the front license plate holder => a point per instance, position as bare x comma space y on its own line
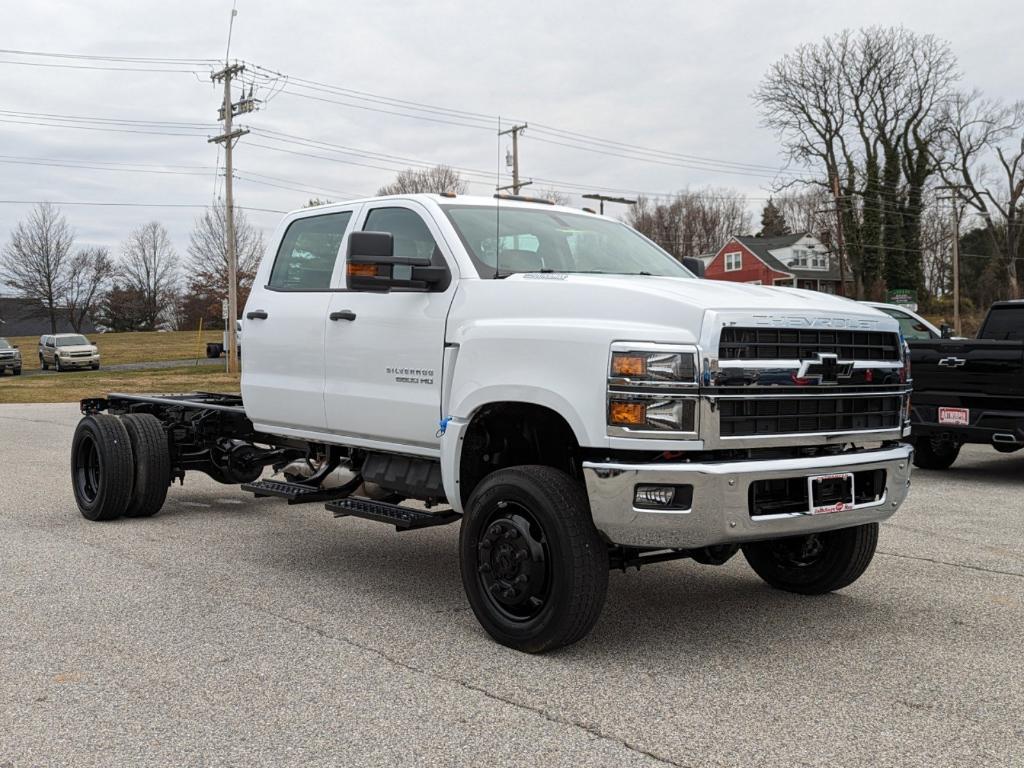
955, 417
830, 493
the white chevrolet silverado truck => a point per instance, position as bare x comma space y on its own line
573, 396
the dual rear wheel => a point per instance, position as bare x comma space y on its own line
120, 466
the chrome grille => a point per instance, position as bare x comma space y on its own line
799, 344
808, 414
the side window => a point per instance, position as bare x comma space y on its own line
308, 250
911, 327
412, 237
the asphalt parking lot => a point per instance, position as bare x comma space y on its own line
231, 631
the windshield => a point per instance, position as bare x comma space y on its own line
71, 341
4, 344
510, 240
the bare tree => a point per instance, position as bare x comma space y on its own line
90, 271
149, 265
208, 259
863, 112
692, 223
440, 178
36, 261
983, 164
550, 193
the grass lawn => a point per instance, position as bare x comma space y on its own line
136, 347
71, 387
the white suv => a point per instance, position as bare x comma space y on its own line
66, 351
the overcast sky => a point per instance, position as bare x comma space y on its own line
671, 75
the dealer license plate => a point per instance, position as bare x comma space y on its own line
830, 493
956, 417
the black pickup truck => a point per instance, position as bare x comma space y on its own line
970, 390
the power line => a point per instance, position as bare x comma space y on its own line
95, 57
131, 205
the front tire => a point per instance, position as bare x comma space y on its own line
152, 464
17, 371
817, 563
932, 453
43, 364
102, 471
533, 566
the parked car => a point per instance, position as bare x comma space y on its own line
912, 325
66, 351
970, 390
553, 381
10, 358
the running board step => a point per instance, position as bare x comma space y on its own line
294, 492
403, 518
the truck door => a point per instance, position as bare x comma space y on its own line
284, 320
384, 350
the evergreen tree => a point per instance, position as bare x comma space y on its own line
773, 222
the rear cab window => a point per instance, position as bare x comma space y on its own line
308, 251
1005, 322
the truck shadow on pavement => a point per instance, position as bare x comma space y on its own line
321, 568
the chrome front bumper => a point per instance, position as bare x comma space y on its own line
720, 511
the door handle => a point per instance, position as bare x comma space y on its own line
257, 314
345, 314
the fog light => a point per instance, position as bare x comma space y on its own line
663, 496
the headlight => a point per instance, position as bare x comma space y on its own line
652, 390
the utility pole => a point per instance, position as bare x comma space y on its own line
956, 267
228, 138
840, 238
954, 190
608, 199
513, 159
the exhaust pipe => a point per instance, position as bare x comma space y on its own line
1004, 438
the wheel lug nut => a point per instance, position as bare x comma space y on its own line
522, 578
512, 533
495, 530
521, 555
484, 568
495, 587
508, 594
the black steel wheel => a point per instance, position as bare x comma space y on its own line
816, 563
934, 453
101, 467
534, 568
152, 459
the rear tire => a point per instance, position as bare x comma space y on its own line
152, 464
58, 366
932, 453
101, 467
533, 566
817, 563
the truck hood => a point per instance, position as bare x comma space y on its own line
717, 295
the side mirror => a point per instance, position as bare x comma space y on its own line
371, 265
694, 265
946, 331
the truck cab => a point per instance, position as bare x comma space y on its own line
566, 390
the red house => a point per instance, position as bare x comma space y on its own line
800, 261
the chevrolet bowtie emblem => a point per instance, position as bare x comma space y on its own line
827, 368
952, 362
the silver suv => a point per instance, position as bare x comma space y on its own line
66, 351
10, 358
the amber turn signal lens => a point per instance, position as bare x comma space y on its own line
625, 413
626, 364
362, 270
